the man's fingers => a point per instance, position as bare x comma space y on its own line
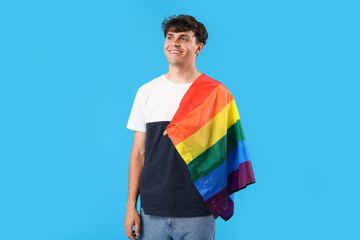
131, 236
136, 237
132, 219
137, 227
129, 232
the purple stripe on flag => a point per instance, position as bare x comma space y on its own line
229, 212
240, 178
237, 180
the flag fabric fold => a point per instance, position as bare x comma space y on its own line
207, 133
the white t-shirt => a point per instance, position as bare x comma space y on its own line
155, 101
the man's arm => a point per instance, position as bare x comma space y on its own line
137, 157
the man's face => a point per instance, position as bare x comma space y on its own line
180, 47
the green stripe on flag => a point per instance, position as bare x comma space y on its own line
214, 156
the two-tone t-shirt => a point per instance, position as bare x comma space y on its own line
166, 188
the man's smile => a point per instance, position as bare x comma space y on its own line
175, 52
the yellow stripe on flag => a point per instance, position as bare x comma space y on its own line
209, 134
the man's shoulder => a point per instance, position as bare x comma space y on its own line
154, 83
209, 80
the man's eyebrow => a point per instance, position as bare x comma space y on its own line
181, 35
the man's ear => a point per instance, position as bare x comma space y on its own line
199, 48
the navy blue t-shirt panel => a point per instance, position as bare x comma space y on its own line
166, 188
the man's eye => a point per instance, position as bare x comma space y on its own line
185, 39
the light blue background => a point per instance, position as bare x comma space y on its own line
69, 71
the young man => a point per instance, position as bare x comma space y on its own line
172, 206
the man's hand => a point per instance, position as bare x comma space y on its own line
132, 218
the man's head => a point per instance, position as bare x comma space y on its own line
184, 38
183, 23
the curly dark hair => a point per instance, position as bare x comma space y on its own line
185, 23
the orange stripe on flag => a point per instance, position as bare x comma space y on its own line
201, 115
201, 88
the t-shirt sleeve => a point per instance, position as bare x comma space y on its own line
136, 120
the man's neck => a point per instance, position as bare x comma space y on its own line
182, 75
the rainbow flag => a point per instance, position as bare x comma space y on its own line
207, 133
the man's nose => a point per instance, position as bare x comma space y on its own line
175, 43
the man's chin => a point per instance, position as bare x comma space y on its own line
175, 63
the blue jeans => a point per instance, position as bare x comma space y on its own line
176, 228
